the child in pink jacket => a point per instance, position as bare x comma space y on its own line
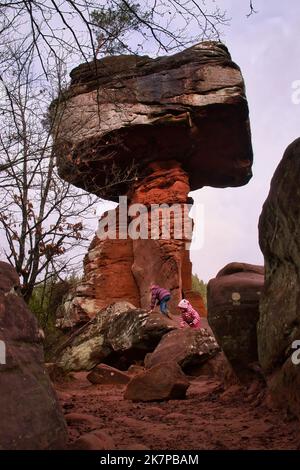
190, 317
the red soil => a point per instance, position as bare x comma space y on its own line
210, 417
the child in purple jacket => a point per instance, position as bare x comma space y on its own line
160, 296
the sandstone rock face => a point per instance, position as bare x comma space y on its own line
188, 348
108, 278
150, 129
164, 381
233, 311
116, 336
279, 322
30, 415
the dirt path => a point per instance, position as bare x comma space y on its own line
208, 419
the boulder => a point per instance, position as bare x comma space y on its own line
187, 347
135, 369
233, 311
219, 368
108, 278
56, 372
106, 375
279, 322
146, 129
165, 381
30, 415
117, 335
97, 440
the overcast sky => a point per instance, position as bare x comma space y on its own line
266, 47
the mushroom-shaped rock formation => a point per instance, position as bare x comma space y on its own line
279, 321
150, 129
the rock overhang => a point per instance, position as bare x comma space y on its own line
130, 111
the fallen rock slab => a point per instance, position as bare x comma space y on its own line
135, 369
30, 415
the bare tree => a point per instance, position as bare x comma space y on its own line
43, 217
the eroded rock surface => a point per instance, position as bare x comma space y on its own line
279, 322
165, 381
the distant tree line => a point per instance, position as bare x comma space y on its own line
199, 286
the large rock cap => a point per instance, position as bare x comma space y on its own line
122, 111
279, 322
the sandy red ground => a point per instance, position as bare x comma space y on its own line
209, 418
